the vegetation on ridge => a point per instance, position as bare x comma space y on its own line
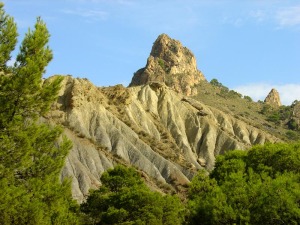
276, 120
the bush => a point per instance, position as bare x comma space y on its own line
161, 62
216, 83
248, 98
292, 135
292, 124
274, 117
260, 186
123, 198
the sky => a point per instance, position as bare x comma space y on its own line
250, 46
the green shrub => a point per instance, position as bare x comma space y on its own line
123, 198
292, 124
161, 62
216, 83
248, 98
260, 186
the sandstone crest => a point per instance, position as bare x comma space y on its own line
171, 63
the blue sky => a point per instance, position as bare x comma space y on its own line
248, 45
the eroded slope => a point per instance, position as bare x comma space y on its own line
164, 134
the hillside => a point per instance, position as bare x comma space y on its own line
162, 133
153, 125
280, 121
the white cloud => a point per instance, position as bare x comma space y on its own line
259, 15
88, 13
288, 92
121, 2
282, 16
236, 22
289, 16
124, 2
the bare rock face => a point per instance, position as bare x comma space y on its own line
166, 136
273, 98
171, 63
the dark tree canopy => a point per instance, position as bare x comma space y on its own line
259, 186
123, 198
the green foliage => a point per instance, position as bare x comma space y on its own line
232, 162
234, 94
282, 115
248, 98
277, 200
292, 124
292, 135
216, 83
121, 177
274, 117
123, 198
32, 153
174, 47
8, 37
161, 62
224, 91
22, 94
275, 158
265, 109
260, 186
285, 112
207, 202
277, 115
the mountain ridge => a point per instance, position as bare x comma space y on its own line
163, 133
168, 125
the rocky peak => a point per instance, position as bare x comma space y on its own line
171, 63
273, 98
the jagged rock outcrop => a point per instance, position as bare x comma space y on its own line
171, 63
273, 98
166, 135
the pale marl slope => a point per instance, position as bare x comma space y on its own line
160, 132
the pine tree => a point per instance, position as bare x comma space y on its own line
8, 37
32, 152
124, 198
258, 186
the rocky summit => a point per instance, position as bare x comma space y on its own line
273, 98
170, 63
